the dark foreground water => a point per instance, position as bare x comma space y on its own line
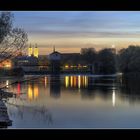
74, 101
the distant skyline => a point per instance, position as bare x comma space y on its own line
70, 31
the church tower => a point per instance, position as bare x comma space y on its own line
36, 51
30, 50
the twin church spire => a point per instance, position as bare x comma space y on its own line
33, 51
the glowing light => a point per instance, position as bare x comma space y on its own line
30, 51
113, 46
7, 65
71, 81
84, 66
36, 52
66, 66
113, 98
35, 91
86, 81
30, 92
79, 81
66, 81
7, 83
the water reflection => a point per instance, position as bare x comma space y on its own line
18, 89
55, 86
76, 96
130, 88
7, 83
76, 81
33, 91
46, 81
113, 98
34, 112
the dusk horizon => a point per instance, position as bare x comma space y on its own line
69, 31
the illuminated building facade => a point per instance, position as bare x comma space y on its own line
30, 51
36, 51
6, 64
33, 51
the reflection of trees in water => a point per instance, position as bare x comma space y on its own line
99, 86
130, 87
55, 86
36, 112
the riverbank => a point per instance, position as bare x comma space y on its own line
4, 118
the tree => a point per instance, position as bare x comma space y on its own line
12, 40
107, 62
129, 59
89, 54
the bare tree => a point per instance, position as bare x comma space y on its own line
12, 40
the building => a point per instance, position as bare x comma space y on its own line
26, 63
6, 64
30, 51
55, 58
36, 51
33, 51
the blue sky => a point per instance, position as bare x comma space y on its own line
71, 30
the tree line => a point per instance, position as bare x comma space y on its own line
107, 61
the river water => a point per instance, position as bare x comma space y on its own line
73, 101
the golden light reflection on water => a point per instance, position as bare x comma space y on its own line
113, 98
71, 81
7, 83
33, 92
46, 81
66, 81
30, 92
76, 81
18, 89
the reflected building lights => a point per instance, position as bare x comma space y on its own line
7, 83
113, 98
30, 92
35, 92
83, 80
86, 79
79, 81
46, 81
76, 81
18, 89
66, 81
71, 81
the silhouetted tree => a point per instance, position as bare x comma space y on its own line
12, 40
129, 59
107, 62
89, 55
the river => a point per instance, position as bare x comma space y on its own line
73, 101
